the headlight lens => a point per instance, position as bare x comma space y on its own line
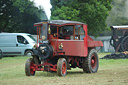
43, 38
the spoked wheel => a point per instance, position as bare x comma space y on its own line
91, 63
62, 67
124, 44
29, 67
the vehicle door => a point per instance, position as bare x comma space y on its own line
73, 41
22, 44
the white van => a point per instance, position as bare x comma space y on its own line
16, 44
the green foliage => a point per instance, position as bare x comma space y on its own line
5, 12
92, 12
65, 13
118, 14
19, 16
95, 16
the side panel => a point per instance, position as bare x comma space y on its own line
21, 47
69, 47
72, 47
8, 44
95, 44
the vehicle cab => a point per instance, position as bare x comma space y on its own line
62, 45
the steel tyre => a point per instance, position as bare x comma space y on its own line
91, 63
29, 67
61, 67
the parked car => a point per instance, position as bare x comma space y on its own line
1, 54
13, 44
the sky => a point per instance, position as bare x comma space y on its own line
45, 4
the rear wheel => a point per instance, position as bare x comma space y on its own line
28, 53
62, 67
91, 63
29, 67
124, 44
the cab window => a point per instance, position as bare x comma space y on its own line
79, 32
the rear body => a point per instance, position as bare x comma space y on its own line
15, 43
63, 45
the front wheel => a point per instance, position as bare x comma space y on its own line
28, 53
91, 63
29, 67
62, 67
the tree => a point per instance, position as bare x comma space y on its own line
92, 12
118, 14
19, 16
5, 13
65, 13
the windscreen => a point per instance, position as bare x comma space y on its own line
44, 30
70, 32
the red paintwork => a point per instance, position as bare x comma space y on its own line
67, 37
85, 40
73, 49
37, 36
32, 69
64, 68
51, 67
92, 43
70, 47
93, 61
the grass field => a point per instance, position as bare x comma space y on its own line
111, 72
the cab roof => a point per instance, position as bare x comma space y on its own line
60, 22
125, 27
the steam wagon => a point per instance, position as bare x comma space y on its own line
119, 38
62, 45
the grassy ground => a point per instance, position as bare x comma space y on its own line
111, 72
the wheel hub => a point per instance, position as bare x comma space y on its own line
63, 68
93, 61
32, 68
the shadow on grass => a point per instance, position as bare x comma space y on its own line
54, 74
75, 72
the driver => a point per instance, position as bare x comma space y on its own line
62, 34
